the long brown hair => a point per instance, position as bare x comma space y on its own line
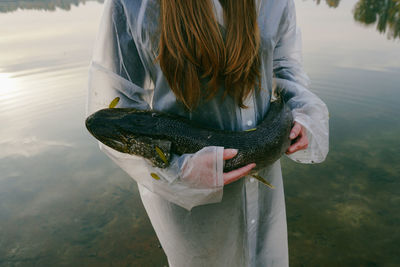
193, 48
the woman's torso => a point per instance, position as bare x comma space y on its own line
216, 113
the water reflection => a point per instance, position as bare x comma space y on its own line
50, 5
62, 202
330, 3
386, 14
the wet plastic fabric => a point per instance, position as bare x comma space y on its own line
244, 223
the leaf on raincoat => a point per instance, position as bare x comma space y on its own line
114, 103
161, 154
155, 176
250, 130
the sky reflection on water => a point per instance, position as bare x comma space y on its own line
62, 202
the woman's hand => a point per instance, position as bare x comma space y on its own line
299, 136
230, 177
198, 170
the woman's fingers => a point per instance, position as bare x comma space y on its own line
298, 134
301, 143
295, 130
234, 175
229, 153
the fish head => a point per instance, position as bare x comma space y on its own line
104, 126
129, 131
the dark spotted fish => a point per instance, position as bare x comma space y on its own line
155, 135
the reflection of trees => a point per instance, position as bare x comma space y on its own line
12, 5
330, 3
385, 12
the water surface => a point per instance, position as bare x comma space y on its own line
63, 202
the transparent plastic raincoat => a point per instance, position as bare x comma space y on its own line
198, 220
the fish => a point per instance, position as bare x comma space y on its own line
156, 136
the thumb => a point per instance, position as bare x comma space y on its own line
229, 153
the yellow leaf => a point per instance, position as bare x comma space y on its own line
114, 103
250, 130
155, 176
161, 154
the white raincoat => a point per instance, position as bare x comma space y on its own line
198, 220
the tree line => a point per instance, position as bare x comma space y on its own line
49, 5
384, 13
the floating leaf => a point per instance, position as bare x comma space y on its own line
250, 130
155, 176
161, 154
114, 103
262, 180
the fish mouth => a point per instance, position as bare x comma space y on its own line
115, 144
104, 131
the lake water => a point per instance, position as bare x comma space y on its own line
63, 202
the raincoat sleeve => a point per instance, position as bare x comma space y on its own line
117, 71
307, 108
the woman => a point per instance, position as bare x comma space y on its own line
209, 46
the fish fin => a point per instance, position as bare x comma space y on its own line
274, 95
262, 180
276, 92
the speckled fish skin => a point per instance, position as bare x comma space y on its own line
140, 132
